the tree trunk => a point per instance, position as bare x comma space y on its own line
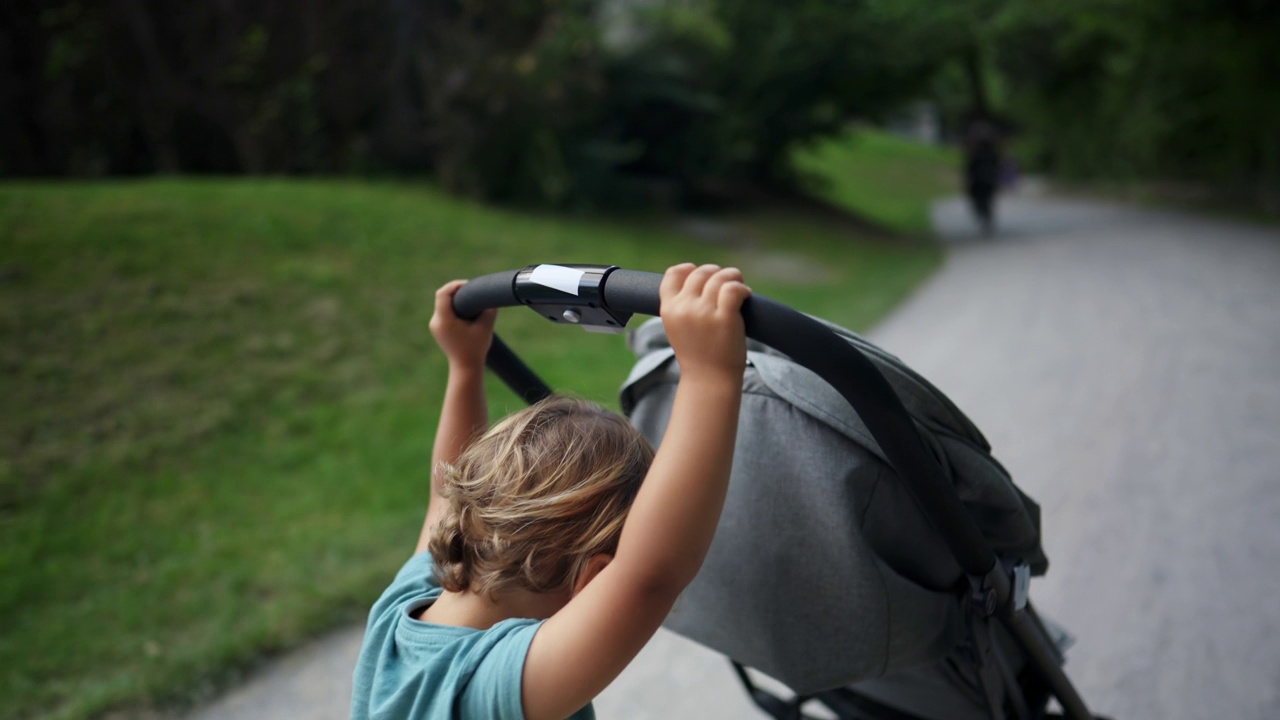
977, 81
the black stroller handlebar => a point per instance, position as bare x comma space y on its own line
804, 340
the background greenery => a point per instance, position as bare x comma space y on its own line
227, 395
567, 103
1176, 93
882, 178
586, 103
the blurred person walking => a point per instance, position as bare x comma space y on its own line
982, 169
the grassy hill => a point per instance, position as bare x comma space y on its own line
220, 397
882, 178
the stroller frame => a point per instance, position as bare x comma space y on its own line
604, 297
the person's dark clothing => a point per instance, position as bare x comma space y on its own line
982, 178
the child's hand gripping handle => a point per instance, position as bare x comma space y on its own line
465, 342
700, 310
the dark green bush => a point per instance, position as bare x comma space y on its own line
519, 101
716, 96
1169, 89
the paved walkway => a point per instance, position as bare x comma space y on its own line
1125, 365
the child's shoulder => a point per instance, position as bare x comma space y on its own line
416, 581
449, 671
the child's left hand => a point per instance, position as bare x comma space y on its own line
464, 342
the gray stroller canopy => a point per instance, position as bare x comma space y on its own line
824, 572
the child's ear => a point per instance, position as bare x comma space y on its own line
595, 564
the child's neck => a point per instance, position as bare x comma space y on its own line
468, 609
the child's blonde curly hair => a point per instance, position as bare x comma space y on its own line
535, 497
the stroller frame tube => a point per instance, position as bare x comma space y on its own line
812, 345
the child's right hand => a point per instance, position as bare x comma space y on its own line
702, 314
464, 342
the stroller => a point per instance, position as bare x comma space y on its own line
871, 556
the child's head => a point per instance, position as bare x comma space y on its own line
536, 497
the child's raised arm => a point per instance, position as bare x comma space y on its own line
464, 413
584, 646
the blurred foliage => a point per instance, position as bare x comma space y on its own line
142, 86
525, 101
717, 96
627, 102
509, 92
1178, 90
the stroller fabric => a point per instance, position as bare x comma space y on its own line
824, 572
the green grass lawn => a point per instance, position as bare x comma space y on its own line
882, 178
220, 397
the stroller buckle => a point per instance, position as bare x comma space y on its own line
570, 295
1021, 584
1019, 573
985, 600
1009, 579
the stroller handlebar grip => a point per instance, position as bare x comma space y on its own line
807, 342
633, 291
494, 290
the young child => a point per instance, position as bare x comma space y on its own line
558, 540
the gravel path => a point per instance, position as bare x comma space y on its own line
1125, 365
